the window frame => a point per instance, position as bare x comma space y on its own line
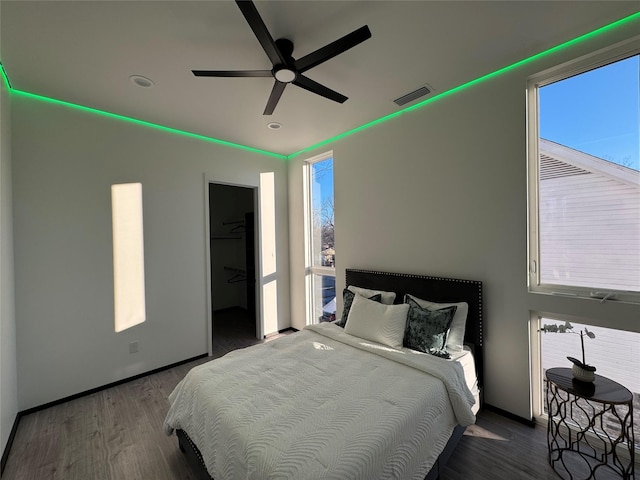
535, 341
592, 61
310, 269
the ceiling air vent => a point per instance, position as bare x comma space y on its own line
411, 96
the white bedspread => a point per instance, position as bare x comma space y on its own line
309, 406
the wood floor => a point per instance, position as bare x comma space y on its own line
116, 434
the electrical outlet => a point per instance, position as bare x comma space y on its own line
133, 347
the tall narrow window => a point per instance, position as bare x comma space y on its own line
321, 252
584, 192
128, 255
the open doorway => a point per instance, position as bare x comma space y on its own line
232, 233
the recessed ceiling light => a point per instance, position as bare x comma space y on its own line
141, 81
274, 125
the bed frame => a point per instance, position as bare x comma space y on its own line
435, 289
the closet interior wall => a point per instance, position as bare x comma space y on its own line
228, 209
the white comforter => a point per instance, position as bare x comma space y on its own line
309, 406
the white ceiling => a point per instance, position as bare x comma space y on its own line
83, 52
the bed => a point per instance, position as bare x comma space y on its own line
326, 403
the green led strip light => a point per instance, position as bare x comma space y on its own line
136, 121
147, 124
335, 138
530, 59
5, 77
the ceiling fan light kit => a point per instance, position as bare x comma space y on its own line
285, 69
284, 75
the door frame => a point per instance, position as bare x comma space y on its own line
208, 179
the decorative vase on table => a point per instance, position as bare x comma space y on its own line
581, 371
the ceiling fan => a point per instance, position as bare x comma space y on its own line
285, 69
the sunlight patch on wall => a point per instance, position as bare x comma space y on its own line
268, 264
128, 255
268, 222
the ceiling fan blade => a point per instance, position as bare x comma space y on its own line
254, 20
331, 50
276, 93
315, 87
232, 73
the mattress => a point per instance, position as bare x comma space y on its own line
322, 404
468, 364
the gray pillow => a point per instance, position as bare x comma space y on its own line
426, 330
455, 337
347, 300
387, 297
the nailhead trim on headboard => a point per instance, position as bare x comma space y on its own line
411, 275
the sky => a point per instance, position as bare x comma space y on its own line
323, 182
597, 112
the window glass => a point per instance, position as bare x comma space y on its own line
321, 297
324, 298
587, 237
322, 213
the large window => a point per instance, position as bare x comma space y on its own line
584, 177
320, 245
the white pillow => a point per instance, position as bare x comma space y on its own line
387, 297
377, 322
455, 339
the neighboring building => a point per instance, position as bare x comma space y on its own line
573, 185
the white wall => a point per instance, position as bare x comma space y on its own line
442, 190
8, 378
65, 161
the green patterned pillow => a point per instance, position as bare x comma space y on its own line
347, 300
426, 330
